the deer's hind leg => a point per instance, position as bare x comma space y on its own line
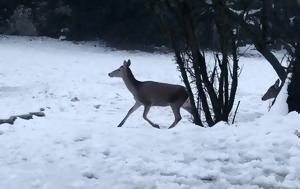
176, 111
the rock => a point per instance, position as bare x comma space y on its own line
29, 116
25, 116
38, 114
10, 120
2, 121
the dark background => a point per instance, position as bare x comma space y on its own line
124, 24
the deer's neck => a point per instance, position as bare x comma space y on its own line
131, 83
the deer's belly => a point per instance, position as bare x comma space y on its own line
160, 104
153, 102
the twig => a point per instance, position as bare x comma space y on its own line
237, 107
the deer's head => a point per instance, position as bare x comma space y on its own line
121, 71
272, 91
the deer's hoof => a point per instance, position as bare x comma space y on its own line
156, 126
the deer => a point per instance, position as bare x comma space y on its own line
151, 93
272, 92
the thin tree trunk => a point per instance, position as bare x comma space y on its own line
293, 99
235, 68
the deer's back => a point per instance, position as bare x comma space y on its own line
160, 94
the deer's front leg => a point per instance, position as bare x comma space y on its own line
134, 107
146, 110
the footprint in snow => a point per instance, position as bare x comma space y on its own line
106, 153
81, 138
207, 178
89, 175
84, 152
97, 106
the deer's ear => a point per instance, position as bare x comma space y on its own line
127, 64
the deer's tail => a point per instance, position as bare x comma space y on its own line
187, 105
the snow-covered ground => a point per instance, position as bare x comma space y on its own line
78, 146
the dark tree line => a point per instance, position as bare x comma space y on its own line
126, 23
117, 22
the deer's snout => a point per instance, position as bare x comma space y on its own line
109, 74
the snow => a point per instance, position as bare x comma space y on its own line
78, 146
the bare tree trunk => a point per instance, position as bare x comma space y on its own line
215, 102
293, 99
197, 119
180, 62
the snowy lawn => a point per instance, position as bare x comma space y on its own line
78, 146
